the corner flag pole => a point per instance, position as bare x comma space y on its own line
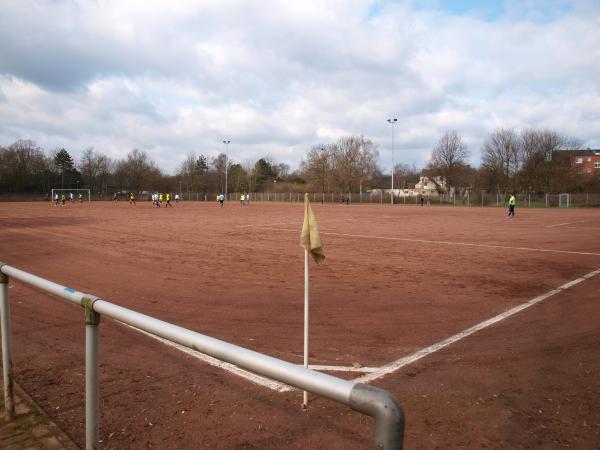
311, 241
306, 282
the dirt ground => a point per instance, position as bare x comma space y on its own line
396, 280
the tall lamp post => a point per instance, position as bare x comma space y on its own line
392, 122
226, 142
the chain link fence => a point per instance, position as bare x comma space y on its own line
468, 198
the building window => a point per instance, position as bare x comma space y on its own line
589, 159
578, 159
597, 165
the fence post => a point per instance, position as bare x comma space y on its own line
92, 391
9, 399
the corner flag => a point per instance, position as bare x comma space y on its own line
309, 238
311, 241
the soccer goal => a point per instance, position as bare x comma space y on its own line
558, 200
86, 196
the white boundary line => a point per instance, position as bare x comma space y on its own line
399, 363
425, 241
566, 223
256, 379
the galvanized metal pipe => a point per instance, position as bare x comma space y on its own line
382, 406
7, 372
92, 387
45, 285
292, 374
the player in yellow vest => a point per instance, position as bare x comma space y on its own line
511, 206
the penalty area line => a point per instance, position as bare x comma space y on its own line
405, 361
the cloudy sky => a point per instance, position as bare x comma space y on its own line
277, 77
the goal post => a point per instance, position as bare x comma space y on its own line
86, 194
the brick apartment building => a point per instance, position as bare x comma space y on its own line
586, 162
583, 162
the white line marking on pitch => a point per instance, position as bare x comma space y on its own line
399, 363
566, 223
294, 223
256, 379
266, 382
425, 241
343, 368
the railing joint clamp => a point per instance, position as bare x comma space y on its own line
91, 316
3, 277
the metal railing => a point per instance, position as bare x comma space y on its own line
369, 400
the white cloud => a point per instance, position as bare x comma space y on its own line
171, 78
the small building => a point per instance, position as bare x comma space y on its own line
428, 187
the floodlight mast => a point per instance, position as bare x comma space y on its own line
392, 122
226, 142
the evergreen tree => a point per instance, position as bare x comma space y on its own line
63, 162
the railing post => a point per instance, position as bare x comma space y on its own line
9, 399
92, 391
387, 412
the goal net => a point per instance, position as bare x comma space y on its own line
72, 194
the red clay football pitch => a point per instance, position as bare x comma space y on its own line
486, 329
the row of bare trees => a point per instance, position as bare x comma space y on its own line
526, 161
348, 165
522, 161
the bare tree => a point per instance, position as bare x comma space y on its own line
105, 169
355, 161
251, 176
88, 165
448, 159
187, 171
318, 166
134, 171
405, 174
502, 155
218, 164
539, 172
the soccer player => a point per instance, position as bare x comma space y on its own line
511, 206
115, 197
221, 200
131, 199
80, 197
63, 199
176, 198
168, 197
56, 199
160, 198
71, 197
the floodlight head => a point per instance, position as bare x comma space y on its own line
392, 120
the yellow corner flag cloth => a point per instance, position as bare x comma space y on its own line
310, 239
